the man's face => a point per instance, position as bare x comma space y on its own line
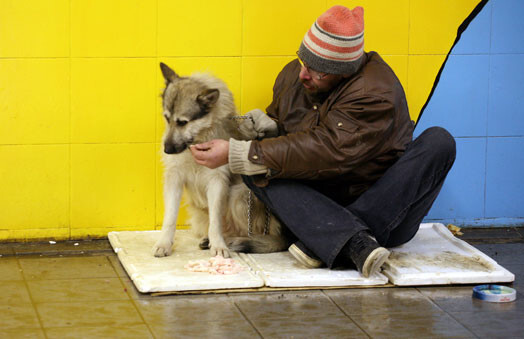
315, 84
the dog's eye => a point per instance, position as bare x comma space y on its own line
181, 122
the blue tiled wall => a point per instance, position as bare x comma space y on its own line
480, 100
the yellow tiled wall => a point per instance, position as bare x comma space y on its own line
80, 122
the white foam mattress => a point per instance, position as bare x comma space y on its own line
433, 256
151, 274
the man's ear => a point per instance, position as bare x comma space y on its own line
208, 97
168, 73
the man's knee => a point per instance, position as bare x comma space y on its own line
440, 143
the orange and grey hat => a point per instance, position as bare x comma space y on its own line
335, 42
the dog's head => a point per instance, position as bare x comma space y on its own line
187, 103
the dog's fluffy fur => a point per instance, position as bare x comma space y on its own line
198, 109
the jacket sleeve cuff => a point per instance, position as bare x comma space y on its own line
238, 159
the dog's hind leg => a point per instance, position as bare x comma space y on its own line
217, 201
200, 225
173, 189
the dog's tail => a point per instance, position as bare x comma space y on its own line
258, 243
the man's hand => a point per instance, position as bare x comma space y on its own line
259, 124
212, 154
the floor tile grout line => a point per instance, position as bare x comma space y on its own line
33, 304
461, 324
431, 301
245, 316
65, 279
133, 302
347, 315
444, 311
114, 275
59, 254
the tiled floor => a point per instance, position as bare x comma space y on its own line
81, 291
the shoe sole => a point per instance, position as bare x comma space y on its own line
303, 258
374, 261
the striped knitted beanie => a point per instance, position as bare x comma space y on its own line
335, 42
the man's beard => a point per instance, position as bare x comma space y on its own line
310, 87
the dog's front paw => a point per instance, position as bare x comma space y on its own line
163, 248
219, 250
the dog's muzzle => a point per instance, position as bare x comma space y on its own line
172, 148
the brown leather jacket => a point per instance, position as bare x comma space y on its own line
341, 143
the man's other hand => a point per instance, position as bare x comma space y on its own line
263, 124
212, 153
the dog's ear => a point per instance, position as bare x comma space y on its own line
168, 73
208, 97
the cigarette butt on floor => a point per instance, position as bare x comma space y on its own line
454, 229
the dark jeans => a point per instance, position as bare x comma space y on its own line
392, 209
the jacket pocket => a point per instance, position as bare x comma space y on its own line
345, 126
346, 133
341, 121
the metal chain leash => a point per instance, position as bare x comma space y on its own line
250, 196
268, 218
249, 207
241, 117
249, 216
